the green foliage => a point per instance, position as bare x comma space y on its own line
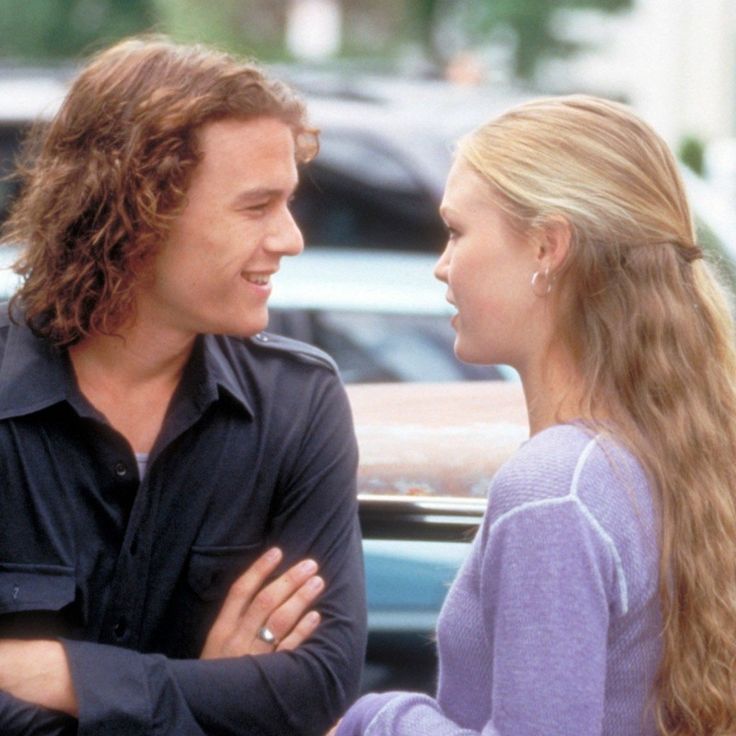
691, 151
251, 27
54, 29
530, 22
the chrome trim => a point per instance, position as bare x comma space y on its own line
420, 517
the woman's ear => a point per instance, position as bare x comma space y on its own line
553, 243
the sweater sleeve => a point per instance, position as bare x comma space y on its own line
545, 577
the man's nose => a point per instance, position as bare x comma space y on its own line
286, 237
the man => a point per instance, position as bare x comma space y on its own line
153, 442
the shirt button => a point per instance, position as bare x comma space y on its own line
120, 470
121, 626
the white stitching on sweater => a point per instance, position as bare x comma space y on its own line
587, 513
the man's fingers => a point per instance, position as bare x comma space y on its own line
250, 605
301, 632
245, 587
286, 616
276, 593
240, 595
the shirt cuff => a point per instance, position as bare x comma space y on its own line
111, 688
18, 718
362, 712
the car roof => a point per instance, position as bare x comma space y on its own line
349, 279
29, 93
9, 280
417, 121
334, 279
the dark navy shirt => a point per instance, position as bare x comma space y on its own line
257, 448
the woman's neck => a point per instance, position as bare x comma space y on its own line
554, 390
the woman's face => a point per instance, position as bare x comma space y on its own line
487, 266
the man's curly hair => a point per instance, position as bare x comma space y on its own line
101, 183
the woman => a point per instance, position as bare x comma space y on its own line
599, 596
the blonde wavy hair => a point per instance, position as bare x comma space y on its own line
652, 332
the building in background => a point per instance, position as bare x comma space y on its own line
674, 60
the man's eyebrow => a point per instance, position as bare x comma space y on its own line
260, 194
253, 194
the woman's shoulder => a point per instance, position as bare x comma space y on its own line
542, 467
568, 461
581, 490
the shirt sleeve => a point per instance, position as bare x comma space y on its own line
299, 692
18, 718
545, 582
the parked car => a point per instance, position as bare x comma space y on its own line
386, 148
26, 96
380, 314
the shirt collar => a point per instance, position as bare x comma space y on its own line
214, 370
35, 375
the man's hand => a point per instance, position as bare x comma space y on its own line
37, 671
281, 606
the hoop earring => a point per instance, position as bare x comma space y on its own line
541, 290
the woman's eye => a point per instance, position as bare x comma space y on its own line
451, 233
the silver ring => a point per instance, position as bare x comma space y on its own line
266, 635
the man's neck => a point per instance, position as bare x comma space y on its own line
135, 357
131, 378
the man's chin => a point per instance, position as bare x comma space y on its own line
249, 326
243, 331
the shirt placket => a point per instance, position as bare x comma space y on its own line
123, 619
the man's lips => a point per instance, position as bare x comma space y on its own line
259, 278
258, 284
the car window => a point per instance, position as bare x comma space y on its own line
10, 140
359, 193
376, 347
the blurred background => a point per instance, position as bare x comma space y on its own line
391, 84
675, 60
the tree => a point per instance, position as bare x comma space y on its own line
55, 29
254, 27
530, 21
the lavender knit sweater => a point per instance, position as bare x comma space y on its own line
551, 626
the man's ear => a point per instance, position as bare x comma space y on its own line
554, 237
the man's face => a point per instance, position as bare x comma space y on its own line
213, 273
